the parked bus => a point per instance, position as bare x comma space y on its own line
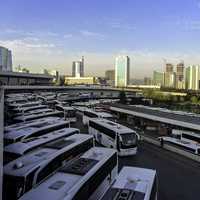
34, 130
69, 112
84, 178
134, 183
114, 135
37, 116
18, 149
21, 125
90, 114
189, 146
27, 109
187, 136
26, 172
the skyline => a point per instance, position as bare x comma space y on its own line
53, 34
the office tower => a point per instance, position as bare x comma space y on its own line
193, 77
122, 67
110, 77
78, 68
82, 67
170, 79
158, 78
180, 83
169, 76
147, 81
169, 68
5, 59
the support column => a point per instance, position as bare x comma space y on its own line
1, 137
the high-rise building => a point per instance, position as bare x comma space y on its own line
110, 77
5, 59
122, 70
158, 78
170, 79
169, 76
169, 68
180, 83
147, 81
193, 77
78, 68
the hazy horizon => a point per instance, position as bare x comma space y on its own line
52, 34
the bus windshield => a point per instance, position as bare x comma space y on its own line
128, 139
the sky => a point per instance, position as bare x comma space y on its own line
52, 33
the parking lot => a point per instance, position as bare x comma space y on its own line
178, 177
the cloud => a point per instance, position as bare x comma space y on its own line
96, 35
122, 26
34, 33
66, 36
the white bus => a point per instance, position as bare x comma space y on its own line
90, 114
21, 125
34, 130
187, 136
114, 135
18, 149
26, 109
134, 183
25, 118
185, 145
69, 112
24, 173
26, 104
84, 178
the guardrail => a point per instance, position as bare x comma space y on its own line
169, 147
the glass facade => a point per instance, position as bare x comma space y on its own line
122, 71
5, 59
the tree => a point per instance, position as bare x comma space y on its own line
194, 100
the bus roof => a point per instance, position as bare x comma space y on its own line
118, 128
71, 181
42, 155
21, 147
136, 179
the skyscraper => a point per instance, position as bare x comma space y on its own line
169, 76
110, 77
78, 68
122, 70
158, 78
5, 59
193, 77
180, 83
169, 67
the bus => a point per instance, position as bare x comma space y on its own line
187, 136
134, 183
84, 178
34, 130
34, 112
90, 114
23, 105
37, 116
21, 125
24, 173
27, 109
18, 149
192, 147
69, 112
114, 135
